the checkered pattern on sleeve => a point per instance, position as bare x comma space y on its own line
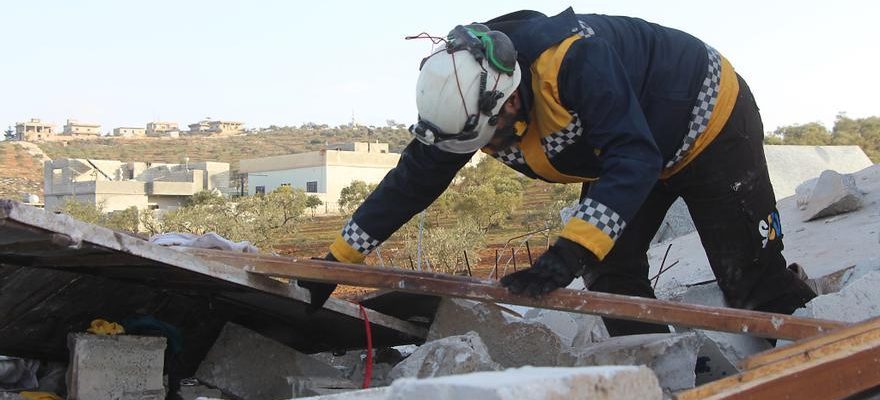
702, 111
557, 141
510, 156
358, 239
601, 216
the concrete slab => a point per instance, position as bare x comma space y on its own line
364, 394
600, 383
248, 365
116, 367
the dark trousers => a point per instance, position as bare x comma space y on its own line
728, 193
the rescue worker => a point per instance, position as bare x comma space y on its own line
637, 113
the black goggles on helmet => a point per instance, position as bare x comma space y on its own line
430, 134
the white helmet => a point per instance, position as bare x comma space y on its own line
461, 89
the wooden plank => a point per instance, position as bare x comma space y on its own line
585, 302
833, 371
802, 348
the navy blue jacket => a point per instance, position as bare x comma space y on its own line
615, 102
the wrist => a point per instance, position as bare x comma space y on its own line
578, 258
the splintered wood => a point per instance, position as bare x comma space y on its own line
609, 305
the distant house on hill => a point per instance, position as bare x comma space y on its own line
118, 185
162, 129
129, 132
215, 127
34, 130
323, 173
78, 128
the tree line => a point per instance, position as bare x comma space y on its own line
862, 132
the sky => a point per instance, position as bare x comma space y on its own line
125, 63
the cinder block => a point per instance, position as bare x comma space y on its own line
535, 383
115, 367
248, 365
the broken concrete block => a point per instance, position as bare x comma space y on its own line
573, 329
676, 223
451, 355
672, 356
10, 396
856, 302
248, 365
606, 383
834, 194
198, 391
115, 367
511, 341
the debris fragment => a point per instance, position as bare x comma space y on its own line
248, 365
448, 356
672, 356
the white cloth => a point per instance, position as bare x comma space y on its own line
209, 240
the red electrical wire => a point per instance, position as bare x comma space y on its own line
368, 369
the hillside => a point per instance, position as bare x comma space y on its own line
230, 149
20, 172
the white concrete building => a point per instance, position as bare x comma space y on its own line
323, 173
118, 185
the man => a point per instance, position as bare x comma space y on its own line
637, 113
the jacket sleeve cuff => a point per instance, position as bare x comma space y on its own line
345, 253
594, 226
353, 244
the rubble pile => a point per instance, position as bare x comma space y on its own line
496, 351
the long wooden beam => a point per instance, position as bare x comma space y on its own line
603, 304
831, 366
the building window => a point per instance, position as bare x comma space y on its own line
312, 187
260, 190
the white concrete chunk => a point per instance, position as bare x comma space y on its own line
595, 383
833, 194
248, 365
452, 355
672, 356
511, 341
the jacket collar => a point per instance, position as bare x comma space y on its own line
533, 32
